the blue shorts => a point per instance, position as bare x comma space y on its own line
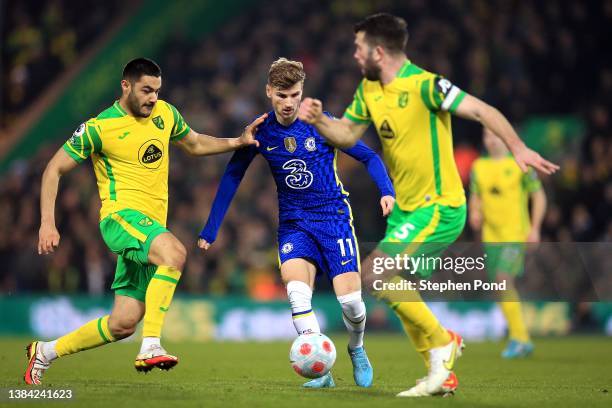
330, 244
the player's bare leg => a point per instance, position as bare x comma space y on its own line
124, 317
348, 290
439, 347
169, 255
121, 323
298, 275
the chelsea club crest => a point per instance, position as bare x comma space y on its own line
310, 144
288, 247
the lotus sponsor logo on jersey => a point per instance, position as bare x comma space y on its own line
385, 130
310, 144
288, 247
158, 121
402, 100
290, 144
151, 153
77, 133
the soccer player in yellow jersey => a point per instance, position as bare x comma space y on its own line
129, 148
411, 111
499, 205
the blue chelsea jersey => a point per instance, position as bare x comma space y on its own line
304, 168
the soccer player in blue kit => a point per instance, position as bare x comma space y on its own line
316, 230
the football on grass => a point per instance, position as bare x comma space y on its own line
312, 355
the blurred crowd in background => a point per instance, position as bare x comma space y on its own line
40, 41
525, 58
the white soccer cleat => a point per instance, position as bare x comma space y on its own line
448, 385
420, 389
442, 360
154, 356
37, 364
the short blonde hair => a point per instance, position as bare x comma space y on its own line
284, 73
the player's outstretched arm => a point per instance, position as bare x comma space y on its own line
474, 109
377, 171
234, 172
198, 144
48, 236
341, 133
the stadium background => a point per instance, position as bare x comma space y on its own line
541, 63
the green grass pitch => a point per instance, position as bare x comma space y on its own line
564, 372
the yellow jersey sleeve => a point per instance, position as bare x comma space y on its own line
84, 141
180, 128
438, 93
357, 111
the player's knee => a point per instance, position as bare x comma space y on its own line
507, 278
180, 256
121, 328
347, 282
176, 256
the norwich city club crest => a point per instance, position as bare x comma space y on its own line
145, 222
159, 122
402, 100
290, 144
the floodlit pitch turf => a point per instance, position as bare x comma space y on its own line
564, 372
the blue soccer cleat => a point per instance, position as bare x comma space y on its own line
327, 381
517, 349
362, 369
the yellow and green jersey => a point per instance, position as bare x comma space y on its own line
130, 157
412, 116
504, 192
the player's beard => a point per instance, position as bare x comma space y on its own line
370, 70
136, 107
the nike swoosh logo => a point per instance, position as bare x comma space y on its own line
377, 98
163, 309
345, 262
448, 364
270, 148
123, 136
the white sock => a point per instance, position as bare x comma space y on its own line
48, 350
148, 342
304, 319
354, 316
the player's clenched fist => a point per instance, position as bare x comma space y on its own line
48, 239
310, 110
386, 203
203, 244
